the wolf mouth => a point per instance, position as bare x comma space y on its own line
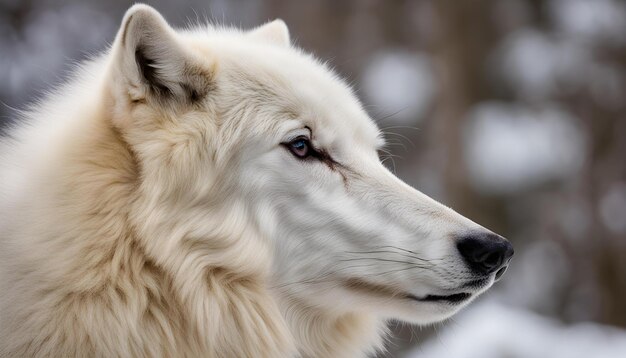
357, 284
451, 299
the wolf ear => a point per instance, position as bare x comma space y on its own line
274, 32
152, 61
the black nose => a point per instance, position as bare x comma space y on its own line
485, 252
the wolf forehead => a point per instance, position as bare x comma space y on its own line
258, 68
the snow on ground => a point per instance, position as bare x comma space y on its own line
492, 330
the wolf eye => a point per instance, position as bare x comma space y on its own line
300, 147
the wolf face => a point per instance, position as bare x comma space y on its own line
239, 134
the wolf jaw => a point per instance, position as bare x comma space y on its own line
155, 207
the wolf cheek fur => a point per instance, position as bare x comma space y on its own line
152, 208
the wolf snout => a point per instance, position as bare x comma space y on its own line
485, 253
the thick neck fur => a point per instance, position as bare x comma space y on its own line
113, 274
320, 334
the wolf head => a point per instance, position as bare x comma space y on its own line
244, 141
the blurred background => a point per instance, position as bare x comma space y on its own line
513, 112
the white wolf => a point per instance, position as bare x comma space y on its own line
214, 192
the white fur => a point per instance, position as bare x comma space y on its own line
139, 223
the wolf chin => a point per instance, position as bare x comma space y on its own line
216, 192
